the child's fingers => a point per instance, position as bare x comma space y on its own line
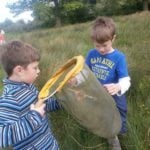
32, 106
39, 107
112, 88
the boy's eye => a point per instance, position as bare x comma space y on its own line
104, 45
98, 46
36, 68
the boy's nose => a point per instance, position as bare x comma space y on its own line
101, 49
38, 71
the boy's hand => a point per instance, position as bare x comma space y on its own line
72, 81
39, 107
112, 88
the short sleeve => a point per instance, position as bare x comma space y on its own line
122, 68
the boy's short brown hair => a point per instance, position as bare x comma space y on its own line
103, 29
17, 53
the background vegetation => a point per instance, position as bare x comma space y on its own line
57, 45
50, 13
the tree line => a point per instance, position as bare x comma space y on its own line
50, 13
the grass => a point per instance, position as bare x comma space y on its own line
57, 45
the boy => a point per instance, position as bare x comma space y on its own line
110, 67
23, 124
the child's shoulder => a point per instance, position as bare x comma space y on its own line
16, 90
119, 53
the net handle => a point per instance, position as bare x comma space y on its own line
78, 61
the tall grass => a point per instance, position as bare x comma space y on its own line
57, 45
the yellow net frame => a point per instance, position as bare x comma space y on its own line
77, 61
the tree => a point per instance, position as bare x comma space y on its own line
76, 12
146, 4
92, 2
43, 15
26, 5
57, 12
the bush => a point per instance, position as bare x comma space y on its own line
77, 12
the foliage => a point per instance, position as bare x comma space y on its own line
115, 7
34, 5
76, 12
21, 6
49, 13
44, 15
4, 25
131, 6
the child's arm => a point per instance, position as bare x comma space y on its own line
52, 104
118, 88
125, 84
123, 78
79, 78
12, 131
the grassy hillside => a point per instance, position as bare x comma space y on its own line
59, 44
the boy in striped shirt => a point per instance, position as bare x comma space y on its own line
23, 124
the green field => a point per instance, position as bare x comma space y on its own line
57, 45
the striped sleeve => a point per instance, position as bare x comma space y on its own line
13, 132
52, 104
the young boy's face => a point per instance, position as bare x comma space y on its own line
103, 48
30, 73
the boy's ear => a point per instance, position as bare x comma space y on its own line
114, 37
18, 70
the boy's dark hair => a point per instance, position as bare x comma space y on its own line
15, 53
103, 30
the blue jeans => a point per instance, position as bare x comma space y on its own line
122, 108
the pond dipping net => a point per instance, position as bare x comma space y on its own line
86, 100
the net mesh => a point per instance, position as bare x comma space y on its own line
89, 103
